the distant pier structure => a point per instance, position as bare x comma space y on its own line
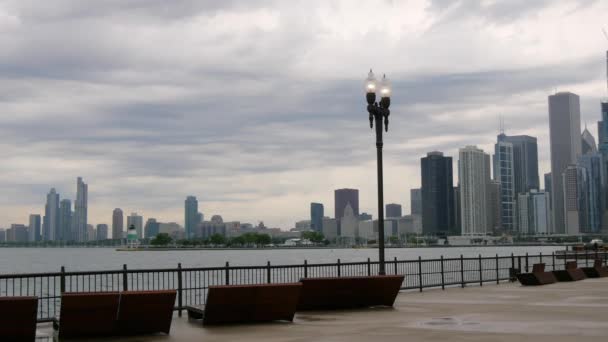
132, 239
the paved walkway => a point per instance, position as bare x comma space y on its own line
506, 312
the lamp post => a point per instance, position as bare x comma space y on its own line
377, 112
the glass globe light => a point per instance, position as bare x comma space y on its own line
385, 87
370, 83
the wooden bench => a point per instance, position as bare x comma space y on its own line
115, 313
87, 314
597, 271
537, 277
349, 292
232, 304
18, 318
145, 312
571, 273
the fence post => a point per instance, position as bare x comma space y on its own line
497, 270
62, 280
179, 289
442, 275
268, 273
595, 255
576, 257
519, 263
512, 261
339, 272
125, 283
395, 265
227, 272
369, 267
305, 268
605, 257
526, 262
420, 272
480, 272
540, 256
462, 270
586, 258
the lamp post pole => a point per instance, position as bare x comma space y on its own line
378, 112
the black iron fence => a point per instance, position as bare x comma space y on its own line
192, 283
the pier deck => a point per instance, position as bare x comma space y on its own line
506, 312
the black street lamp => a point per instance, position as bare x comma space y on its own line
378, 111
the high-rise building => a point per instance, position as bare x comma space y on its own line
34, 228
474, 178
573, 180
50, 224
349, 224
592, 201
316, 216
80, 211
65, 220
565, 139
342, 197
393, 210
548, 182
494, 206
91, 233
17, 233
525, 162
587, 142
117, 224
457, 212
152, 228
330, 227
437, 194
504, 174
415, 202
534, 215
102, 232
191, 215
138, 222
602, 128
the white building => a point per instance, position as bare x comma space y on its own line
474, 178
349, 226
330, 229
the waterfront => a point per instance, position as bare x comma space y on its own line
34, 260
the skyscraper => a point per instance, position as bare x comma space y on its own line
415, 202
525, 162
437, 193
393, 210
342, 197
504, 175
102, 232
587, 142
80, 211
191, 216
592, 209
65, 220
573, 181
34, 228
565, 141
51, 216
474, 177
138, 222
152, 228
317, 212
494, 207
117, 224
534, 215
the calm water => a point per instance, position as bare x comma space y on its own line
33, 260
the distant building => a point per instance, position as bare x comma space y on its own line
525, 162
504, 174
573, 179
349, 226
138, 222
409, 224
565, 140
415, 202
365, 217
534, 215
208, 228
50, 223
81, 211
474, 177
330, 228
34, 228
17, 233
548, 183
152, 228
393, 210
316, 216
91, 233
65, 221
173, 229
457, 213
591, 203
191, 215
494, 206
2, 235
303, 225
588, 142
117, 224
344, 196
437, 194
102, 232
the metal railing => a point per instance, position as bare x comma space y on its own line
192, 283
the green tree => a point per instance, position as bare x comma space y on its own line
217, 239
161, 239
263, 239
315, 237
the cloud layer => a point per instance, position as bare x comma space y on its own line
256, 107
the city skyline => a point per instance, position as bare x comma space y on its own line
140, 128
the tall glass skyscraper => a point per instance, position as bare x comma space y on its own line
316, 216
117, 224
474, 178
504, 174
50, 224
65, 220
437, 194
565, 143
191, 216
80, 211
342, 197
591, 212
34, 228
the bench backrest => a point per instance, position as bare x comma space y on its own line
571, 265
597, 263
251, 303
349, 292
538, 268
88, 314
142, 312
18, 318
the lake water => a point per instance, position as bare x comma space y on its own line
34, 260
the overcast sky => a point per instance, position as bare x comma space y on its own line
257, 107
